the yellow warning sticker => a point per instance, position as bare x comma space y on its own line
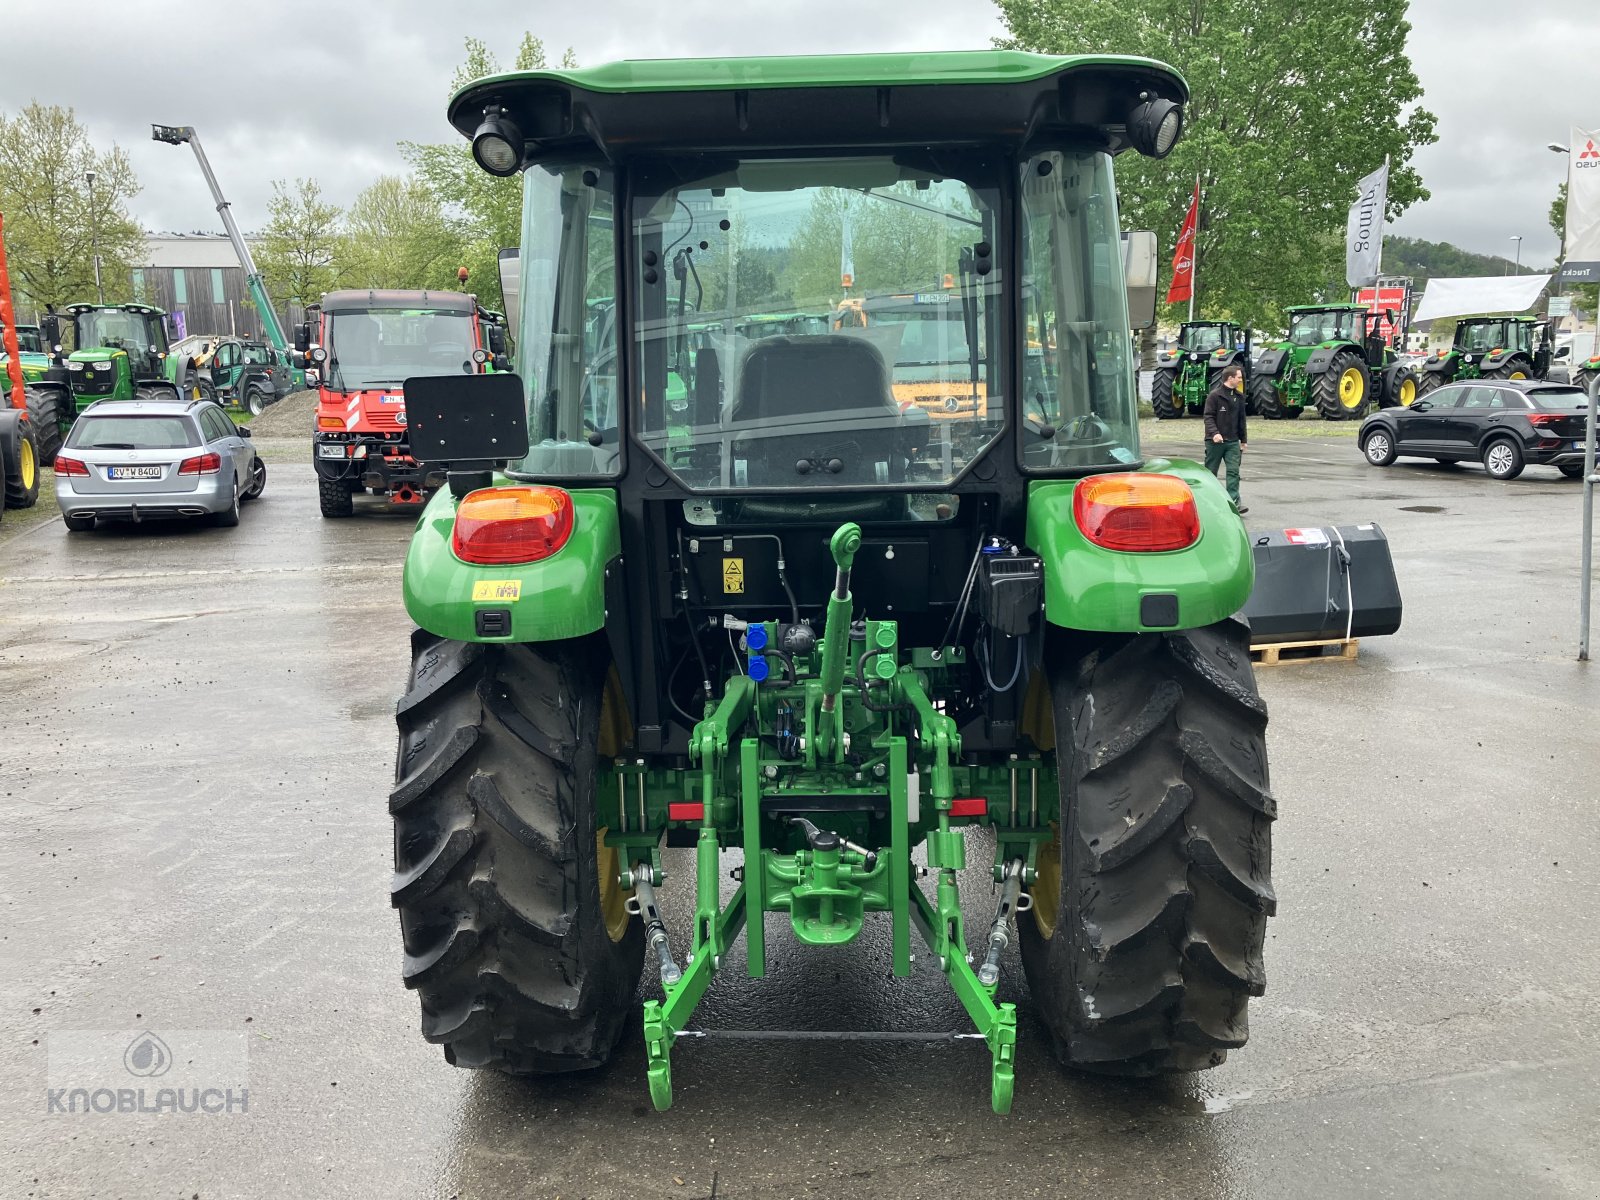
732, 576
496, 589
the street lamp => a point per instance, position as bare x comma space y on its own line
94, 241
1517, 238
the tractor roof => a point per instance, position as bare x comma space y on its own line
1316, 308
1496, 317
83, 307
959, 97
363, 299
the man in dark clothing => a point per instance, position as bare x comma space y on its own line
1226, 438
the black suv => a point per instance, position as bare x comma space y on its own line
1504, 424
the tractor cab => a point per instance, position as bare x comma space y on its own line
119, 351
694, 582
1206, 336
1320, 326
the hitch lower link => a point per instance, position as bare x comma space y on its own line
826, 887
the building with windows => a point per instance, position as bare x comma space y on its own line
198, 275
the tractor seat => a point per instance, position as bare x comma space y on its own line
824, 400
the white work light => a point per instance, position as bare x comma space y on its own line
498, 144
1154, 126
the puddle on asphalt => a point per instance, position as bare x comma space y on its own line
1422, 508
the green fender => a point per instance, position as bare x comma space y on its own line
560, 597
1089, 587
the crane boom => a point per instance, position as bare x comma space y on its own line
177, 135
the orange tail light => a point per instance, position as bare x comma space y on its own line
1137, 512
512, 524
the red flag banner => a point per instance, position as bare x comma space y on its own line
1183, 257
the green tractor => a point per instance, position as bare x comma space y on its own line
1490, 348
1187, 371
1588, 370
801, 636
1333, 361
120, 352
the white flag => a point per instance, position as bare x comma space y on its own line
1582, 242
1363, 238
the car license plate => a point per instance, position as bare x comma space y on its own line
328, 450
133, 472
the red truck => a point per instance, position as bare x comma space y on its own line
364, 344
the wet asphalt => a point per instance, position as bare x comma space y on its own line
196, 749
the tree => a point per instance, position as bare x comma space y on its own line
45, 160
1286, 114
298, 246
397, 236
489, 208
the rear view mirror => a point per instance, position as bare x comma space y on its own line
511, 285
1421, 405
1139, 267
302, 336
50, 331
244, 430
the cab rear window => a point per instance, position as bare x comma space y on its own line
133, 433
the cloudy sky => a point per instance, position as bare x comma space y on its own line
326, 89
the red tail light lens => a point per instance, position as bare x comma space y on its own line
512, 524
1543, 418
70, 466
1137, 512
202, 464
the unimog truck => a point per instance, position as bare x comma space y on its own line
1187, 371
791, 632
1335, 362
364, 343
1490, 348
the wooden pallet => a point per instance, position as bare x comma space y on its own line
1281, 652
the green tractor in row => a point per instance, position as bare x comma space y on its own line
801, 635
1187, 371
1490, 348
1586, 372
119, 352
1334, 362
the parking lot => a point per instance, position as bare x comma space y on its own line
197, 748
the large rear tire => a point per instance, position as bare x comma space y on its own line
22, 468
1427, 383
516, 938
47, 408
1343, 392
1586, 378
1261, 399
1161, 400
1513, 368
1145, 942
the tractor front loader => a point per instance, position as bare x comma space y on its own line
797, 627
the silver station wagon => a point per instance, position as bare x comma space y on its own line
139, 460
